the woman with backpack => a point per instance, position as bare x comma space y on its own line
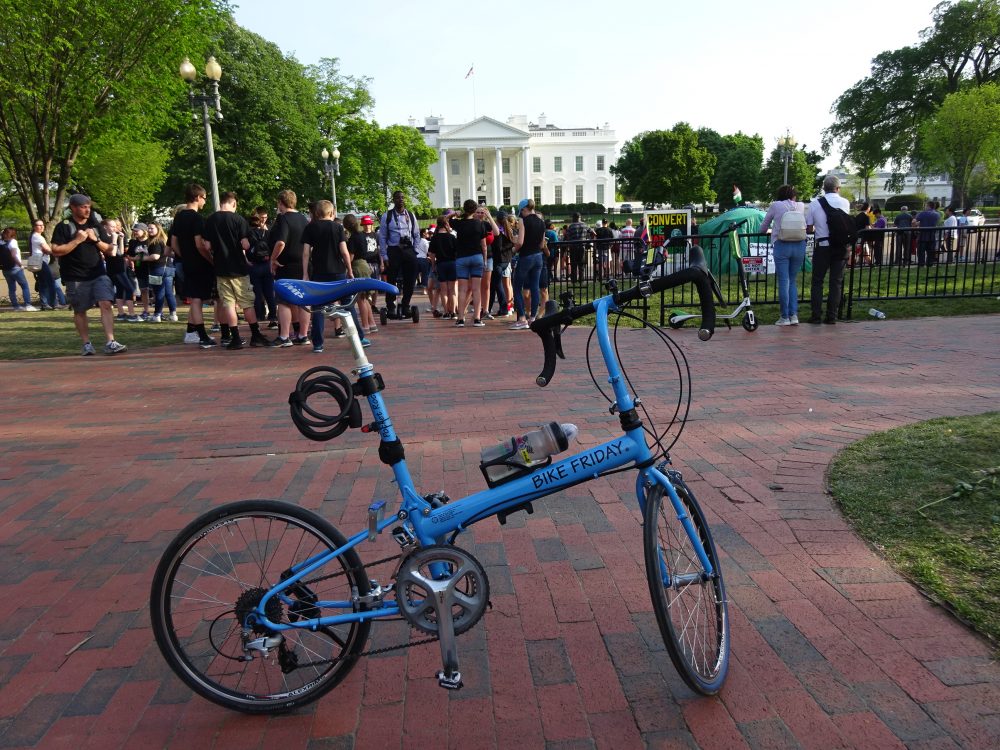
787, 222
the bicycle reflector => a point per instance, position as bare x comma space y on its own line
311, 422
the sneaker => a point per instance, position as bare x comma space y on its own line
206, 343
489, 316
192, 337
113, 347
260, 340
144, 316
477, 323
88, 350
372, 329
436, 313
121, 317
30, 308
283, 343
133, 319
300, 340
317, 350
215, 328
235, 343
173, 317
272, 325
460, 323
154, 319
507, 314
519, 325
783, 322
339, 333
814, 321
794, 320
365, 343
226, 340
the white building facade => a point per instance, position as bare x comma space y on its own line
500, 163
936, 187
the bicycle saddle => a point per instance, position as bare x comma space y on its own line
297, 292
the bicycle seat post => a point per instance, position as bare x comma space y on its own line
343, 314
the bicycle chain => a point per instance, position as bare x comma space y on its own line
374, 651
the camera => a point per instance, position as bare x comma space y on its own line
406, 242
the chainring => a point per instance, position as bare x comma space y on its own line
443, 572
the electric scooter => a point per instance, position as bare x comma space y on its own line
696, 257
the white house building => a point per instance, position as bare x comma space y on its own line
499, 163
936, 187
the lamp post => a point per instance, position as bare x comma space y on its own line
787, 145
332, 171
213, 72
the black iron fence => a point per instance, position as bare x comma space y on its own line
886, 264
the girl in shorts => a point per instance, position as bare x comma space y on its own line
442, 252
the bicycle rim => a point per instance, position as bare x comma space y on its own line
690, 608
216, 571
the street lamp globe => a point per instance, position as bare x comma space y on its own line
187, 71
325, 154
213, 71
336, 153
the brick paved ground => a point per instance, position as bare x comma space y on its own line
830, 647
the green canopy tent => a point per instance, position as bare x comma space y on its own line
719, 251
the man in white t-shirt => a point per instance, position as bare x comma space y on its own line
13, 272
825, 257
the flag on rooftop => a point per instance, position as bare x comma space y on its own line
470, 71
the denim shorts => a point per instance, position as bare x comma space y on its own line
543, 277
446, 270
471, 266
489, 264
505, 271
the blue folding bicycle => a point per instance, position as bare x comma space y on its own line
263, 606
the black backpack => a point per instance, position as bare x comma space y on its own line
843, 229
6, 258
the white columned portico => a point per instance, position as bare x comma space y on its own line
525, 171
472, 174
443, 160
498, 179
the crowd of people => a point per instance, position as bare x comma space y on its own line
472, 266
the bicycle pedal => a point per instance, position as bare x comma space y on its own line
450, 682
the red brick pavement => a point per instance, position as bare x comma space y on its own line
830, 647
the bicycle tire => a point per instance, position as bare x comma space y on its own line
692, 616
228, 557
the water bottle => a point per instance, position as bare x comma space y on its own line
877, 314
519, 455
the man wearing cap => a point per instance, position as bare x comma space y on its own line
80, 243
398, 235
528, 246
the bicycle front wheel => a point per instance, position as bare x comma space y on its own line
690, 605
213, 575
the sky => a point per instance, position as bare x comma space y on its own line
754, 67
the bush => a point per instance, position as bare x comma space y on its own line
911, 201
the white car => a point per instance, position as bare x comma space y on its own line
976, 218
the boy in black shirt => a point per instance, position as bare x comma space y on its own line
80, 244
285, 239
187, 243
227, 237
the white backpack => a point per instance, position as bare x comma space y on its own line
793, 226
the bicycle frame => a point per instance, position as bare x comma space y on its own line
432, 525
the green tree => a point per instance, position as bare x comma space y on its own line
801, 173
666, 166
269, 138
740, 164
70, 68
962, 135
879, 118
377, 161
342, 99
122, 176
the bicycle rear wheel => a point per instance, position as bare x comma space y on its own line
218, 569
690, 606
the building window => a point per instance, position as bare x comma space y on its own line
579, 193
579, 164
538, 195
558, 193
454, 166
536, 164
600, 192
506, 164
506, 196
600, 165
557, 164
456, 197
480, 166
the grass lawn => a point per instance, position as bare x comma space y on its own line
30, 335
887, 485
